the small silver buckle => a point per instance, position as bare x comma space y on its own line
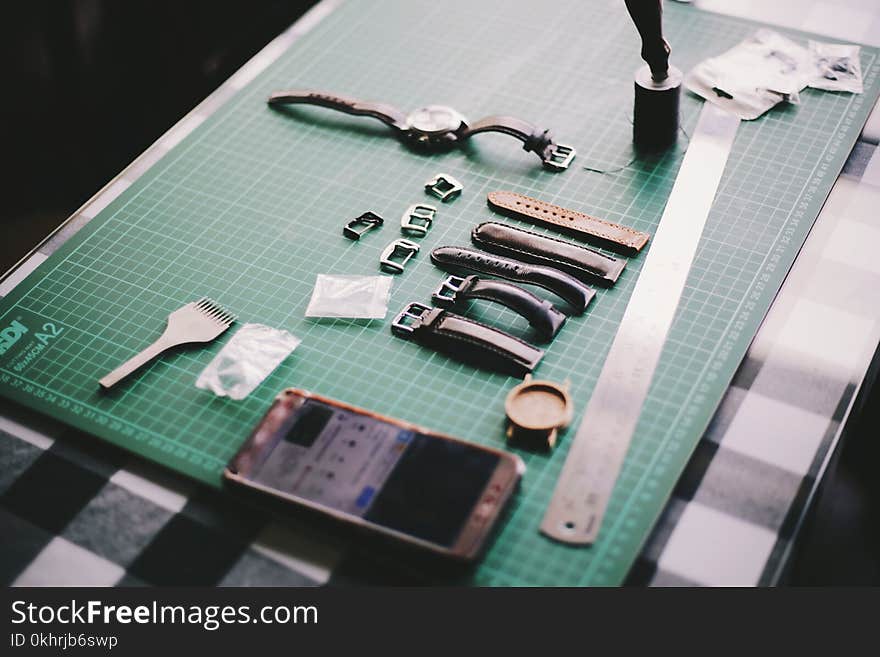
360, 225
418, 213
560, 157
397, 249
444, 187
414, 311
444, 295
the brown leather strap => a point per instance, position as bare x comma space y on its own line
385, 113
531, 209
585, 264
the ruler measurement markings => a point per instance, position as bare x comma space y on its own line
602, 440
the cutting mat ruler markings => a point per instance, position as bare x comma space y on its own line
602, 440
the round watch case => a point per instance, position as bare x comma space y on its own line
536, 411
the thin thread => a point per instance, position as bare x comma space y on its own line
634, 157
614, 170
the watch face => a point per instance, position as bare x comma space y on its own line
435, 119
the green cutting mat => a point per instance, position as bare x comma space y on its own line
250, 207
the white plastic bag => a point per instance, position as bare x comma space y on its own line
246, 360
753, 76
355, 297
837, 67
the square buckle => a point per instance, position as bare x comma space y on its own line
445, 294
400, 248
414, 214
444, 187
560, 157
406, 321
360, 225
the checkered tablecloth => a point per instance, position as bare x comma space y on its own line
75, 511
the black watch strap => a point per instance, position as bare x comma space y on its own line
458, 259
467, 340
542, 315
581, 262
553, 155
386, 113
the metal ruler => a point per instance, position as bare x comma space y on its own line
604, 435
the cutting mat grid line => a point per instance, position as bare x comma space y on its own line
249, 207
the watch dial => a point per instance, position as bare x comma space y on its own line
435, 119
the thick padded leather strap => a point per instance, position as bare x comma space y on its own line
386, 113
476, 343
612, 235
455, 259
542, 315
579, 261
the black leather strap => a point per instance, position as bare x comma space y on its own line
581, 262
534, 139
457, 259
542, 315
467, 340
386, 113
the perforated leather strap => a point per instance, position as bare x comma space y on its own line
612, 235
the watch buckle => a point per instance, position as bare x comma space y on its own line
560, 157
360, 225
444, 187
399, 248
419, 212
404, 323
445, 294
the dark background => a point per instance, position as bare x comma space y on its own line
89, 84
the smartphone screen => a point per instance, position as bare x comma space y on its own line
385, 473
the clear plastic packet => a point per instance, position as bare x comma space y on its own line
837, 67
755, 75
246, 360
355, 297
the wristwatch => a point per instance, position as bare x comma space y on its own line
436, 127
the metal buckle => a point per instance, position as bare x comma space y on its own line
444, 295
418, 212
414, 311
368, 220
444, 187
398, 248
560, 157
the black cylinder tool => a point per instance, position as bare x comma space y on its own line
657, 84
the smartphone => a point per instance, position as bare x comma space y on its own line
378, 473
